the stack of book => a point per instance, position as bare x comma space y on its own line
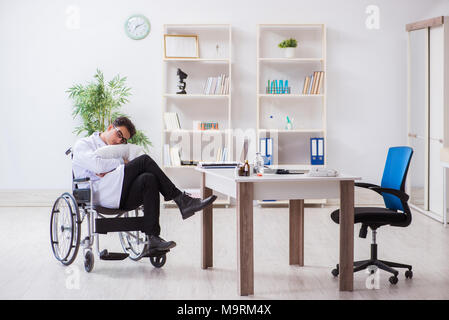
313, 83
277, 87
217, 85
171, 121
172, 156
222, 154
208, 126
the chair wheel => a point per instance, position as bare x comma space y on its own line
88, 261
393, 279
408, 274
335, 272
158, 261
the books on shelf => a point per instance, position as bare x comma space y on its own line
313, 83
175, 157
266, 150
171, 120
317, 151
216, 85
208, 126
278, 87
222, 154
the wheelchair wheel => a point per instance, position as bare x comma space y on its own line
133, 242
88, 261
158, 261
65, 229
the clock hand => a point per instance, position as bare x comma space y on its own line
135, 27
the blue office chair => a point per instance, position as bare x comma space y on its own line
396, 212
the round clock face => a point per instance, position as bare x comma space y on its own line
137, 27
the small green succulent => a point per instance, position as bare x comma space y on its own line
289, 43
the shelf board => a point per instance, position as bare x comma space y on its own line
195, 96
292, 131
273, 95
189, 131
291, 59
199, 60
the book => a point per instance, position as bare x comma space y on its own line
171, 120
320, 82
175, 157
309, 89
167, 161
315, 78
306, 85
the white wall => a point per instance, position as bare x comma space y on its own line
40, 58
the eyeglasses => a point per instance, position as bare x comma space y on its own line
120, 135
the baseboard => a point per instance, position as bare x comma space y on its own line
46, 198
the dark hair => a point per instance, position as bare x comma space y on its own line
125, 122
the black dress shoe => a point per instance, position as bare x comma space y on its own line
157, 243
189, 205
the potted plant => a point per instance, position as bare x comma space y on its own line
98, 104
289, 46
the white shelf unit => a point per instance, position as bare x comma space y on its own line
215, 59
291, 148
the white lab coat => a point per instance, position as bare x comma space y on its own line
108, 189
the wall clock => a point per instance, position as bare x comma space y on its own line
137, 27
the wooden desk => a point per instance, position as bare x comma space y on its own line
294, 188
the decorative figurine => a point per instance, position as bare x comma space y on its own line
182, 85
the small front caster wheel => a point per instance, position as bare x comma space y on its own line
409, 274
158, 261
393, 279
88, 261
335, 272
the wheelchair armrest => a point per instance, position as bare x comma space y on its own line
398, 193
81, 180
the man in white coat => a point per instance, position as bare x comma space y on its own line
118, 183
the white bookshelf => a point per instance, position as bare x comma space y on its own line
215, 57
291, 148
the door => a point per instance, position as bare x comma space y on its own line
419, 117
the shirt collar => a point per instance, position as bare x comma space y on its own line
99, 142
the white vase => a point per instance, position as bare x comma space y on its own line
289, 52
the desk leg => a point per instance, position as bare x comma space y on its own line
296, 228
206, 229
245, 254
444, 197
346, 235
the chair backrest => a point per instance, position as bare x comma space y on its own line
395, 173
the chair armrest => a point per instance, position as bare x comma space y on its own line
81, 180
398, 193
366, 185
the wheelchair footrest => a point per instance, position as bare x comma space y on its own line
155, 253
105, 225
105, 255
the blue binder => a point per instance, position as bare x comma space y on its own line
317, 151
266, 150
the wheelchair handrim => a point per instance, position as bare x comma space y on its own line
74, 224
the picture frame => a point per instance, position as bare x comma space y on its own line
181, 46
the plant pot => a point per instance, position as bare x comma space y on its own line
289, 52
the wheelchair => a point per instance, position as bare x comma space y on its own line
68, 213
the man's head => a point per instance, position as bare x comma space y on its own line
120, 131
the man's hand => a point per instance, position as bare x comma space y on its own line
125, 161
101, 175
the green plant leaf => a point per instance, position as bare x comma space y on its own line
97, 105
